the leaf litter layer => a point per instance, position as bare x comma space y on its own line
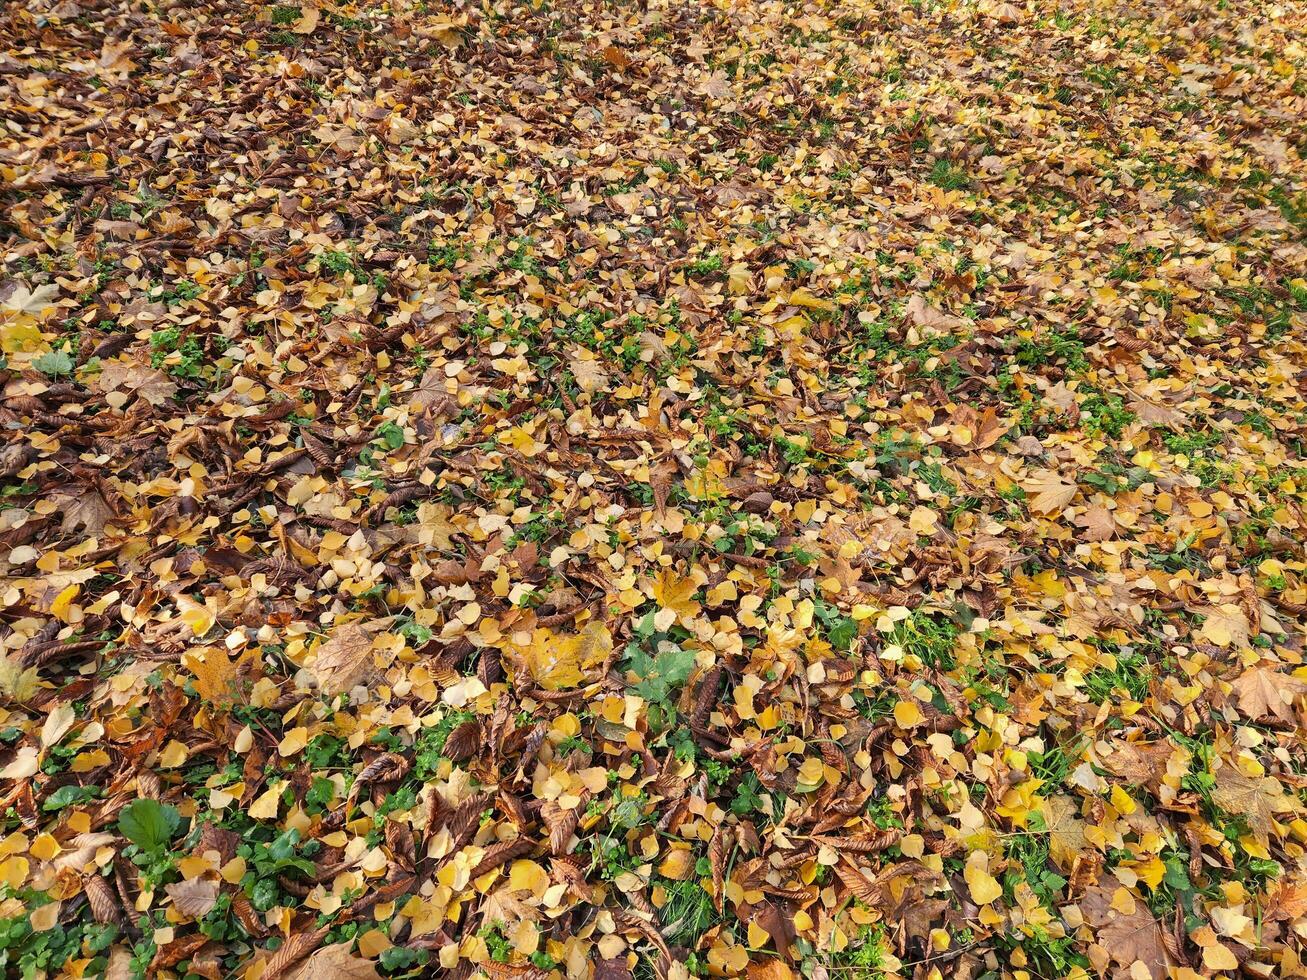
659, 489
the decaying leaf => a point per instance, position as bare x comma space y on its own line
1265, 693
344, 660
662, 490
336, 962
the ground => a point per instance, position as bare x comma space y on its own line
653, 489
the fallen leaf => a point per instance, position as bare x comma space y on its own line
195, 898
344, 660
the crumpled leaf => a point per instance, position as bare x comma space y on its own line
335, 962
344, 660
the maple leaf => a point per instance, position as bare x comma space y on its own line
675, 592
979, 430
1066, 830
21, 312
589, 373
17, 683
129, 378
1126, 930
557, 662
1263, 692
1259, 800
921, 313
1225, 625
86, 511
1098, 523
1050, 491
335, 962
344, 659
25, 301
215, 674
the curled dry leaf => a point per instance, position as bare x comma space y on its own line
527, 488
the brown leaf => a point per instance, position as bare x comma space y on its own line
867, 890
289, 953
344, 660
463, 741
1098, 522
778, 923
1258, 799
1128, 937
611, 969
561, 824
717, 852
105, 905
87, 511
1264, 692
502, 853
922, 314
193, 898
976, 430
174, 952
336, 962
661, 477
130, 378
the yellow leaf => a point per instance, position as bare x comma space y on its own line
45, 917
1151, 871
86, 761
983, 885
215, 674
44, 847
923, 520
907, 714
802, 297
1225, 625
373, 943
13, 871
673, 591
1219, 957
17, 682
266, 806
18, 338
308, 20
63, 603
678, 865
294, 741
811, 774
550, 660
528, 876
173, 755
1049, 492
56, 726
199, 618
